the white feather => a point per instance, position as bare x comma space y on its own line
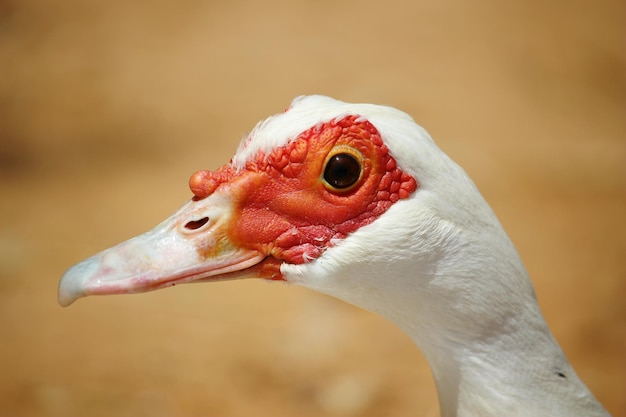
440, 266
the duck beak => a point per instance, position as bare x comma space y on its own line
192, 245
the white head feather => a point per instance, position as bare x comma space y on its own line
440, 266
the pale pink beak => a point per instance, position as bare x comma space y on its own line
192, 245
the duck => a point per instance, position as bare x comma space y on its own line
357, 201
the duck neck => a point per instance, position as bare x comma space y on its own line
519, 372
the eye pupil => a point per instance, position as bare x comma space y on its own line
342, 171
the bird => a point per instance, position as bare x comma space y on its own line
356, 201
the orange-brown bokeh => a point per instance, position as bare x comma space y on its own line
107, 108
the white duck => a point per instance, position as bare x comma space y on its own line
357, 201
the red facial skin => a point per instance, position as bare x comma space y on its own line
284, 208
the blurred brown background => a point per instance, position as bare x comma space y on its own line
107, 107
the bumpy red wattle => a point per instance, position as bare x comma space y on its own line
282, 205
203, 183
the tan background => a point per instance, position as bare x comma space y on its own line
107, 107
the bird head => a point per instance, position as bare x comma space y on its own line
356, 201
353, 200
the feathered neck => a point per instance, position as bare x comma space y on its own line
440, 266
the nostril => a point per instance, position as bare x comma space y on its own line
196, 224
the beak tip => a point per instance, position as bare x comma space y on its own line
65, 301
74, 281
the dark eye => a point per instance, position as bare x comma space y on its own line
342, 171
